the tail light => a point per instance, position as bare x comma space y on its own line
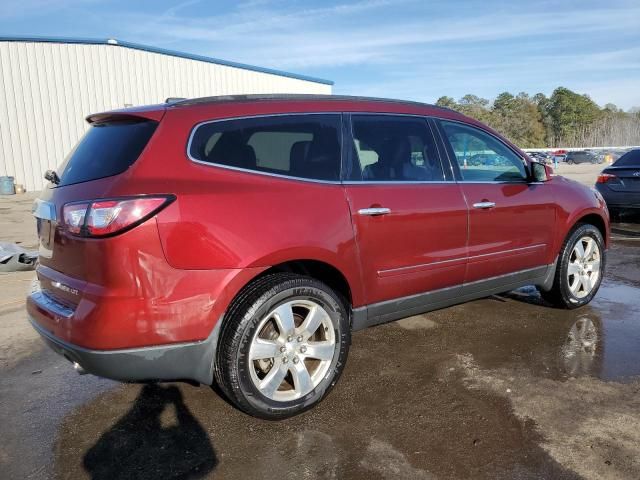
105, 217
605, 177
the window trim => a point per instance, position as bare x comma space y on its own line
425, 118
258, 172
455, 166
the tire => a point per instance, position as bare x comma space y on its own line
571, 291
258, 345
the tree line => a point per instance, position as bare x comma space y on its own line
565, 119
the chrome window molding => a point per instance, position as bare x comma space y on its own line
494, 182
398, 182
354, 182
264, 174
436, 182
259, 172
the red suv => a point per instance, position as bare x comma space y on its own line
242, 239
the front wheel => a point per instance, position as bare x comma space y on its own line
579, 270
283, 345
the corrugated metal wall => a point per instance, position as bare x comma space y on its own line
46, 90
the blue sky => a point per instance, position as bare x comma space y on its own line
409, 49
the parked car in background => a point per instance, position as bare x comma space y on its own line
619, 184
542, 157
597, 156
580, 157
242, 239
488, 160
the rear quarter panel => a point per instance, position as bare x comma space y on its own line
229, 219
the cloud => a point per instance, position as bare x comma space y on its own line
404, 48
349, 34
414, 49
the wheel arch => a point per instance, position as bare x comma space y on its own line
320, 270
594, 219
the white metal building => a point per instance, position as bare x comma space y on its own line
49, 85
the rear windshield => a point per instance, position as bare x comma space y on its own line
629, 159
106, 149
304, 146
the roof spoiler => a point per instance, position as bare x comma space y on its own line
127, 115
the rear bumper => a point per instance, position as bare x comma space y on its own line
162, 307
182, 361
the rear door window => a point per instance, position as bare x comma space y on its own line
107, 149
304, 146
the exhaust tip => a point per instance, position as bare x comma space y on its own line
78, 368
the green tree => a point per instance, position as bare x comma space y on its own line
447, 102
475, 107
518, 119
571, 114
566, 118
543, 103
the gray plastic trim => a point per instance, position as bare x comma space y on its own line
398, 308
181, 361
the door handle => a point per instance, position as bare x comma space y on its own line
373, 212
484, 205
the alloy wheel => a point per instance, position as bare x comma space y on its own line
292, 350
583, 270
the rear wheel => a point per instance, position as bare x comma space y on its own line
283, 345
579, 270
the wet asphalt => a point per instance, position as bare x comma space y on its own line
449, 394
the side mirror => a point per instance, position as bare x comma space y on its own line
541, 172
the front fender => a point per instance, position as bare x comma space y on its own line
576, 203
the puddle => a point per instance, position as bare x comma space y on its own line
600, 340
619, 307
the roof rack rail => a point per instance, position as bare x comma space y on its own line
296, 96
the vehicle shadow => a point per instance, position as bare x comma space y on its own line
141, 444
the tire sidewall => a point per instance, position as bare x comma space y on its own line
285, 292
570, 300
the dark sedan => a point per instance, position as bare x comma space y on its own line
619, 184
580, 157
